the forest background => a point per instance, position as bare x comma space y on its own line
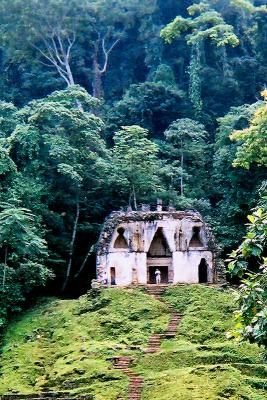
106, 104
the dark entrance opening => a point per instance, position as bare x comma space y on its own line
203, 271
196, 241
112, 276
164, 271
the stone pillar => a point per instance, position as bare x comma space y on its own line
145, 207
159, 205
171, 207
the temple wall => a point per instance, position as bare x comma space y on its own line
185, 266
131, 268
132, 247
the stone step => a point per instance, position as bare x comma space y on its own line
136, 383
122, 362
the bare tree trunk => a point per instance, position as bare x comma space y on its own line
134, 198
97, 81
5, 268
90, 251
101, 52
58, 54
182, 171
74, 234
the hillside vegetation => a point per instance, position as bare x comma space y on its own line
67, 345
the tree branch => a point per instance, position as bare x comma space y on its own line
90, 251
74, 233
107, 53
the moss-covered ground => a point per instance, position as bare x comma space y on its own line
67, 344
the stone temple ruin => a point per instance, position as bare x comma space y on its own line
134, 244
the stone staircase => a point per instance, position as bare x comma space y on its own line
153, 344
122, 363
156, 290
136, 382
172, 327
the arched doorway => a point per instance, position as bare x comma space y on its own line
159, 257
203, 271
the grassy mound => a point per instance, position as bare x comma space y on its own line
66, 345
201, 363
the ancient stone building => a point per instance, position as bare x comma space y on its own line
134, 244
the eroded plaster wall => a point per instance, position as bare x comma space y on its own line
186, 266
131, 263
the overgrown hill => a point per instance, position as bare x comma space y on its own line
67, 345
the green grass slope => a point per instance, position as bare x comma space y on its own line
67, 344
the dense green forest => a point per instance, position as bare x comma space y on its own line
114, 103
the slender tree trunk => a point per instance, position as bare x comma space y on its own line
74, 234
5, 268
134, 198
97, 80
101, 55
69, 72
97, 73
90, 251
182, 170
71, 82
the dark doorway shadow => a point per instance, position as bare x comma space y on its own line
112, 276
164, 272
203, 271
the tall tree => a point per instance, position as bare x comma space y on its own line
188, 137
135, 158
23, 252
56, 145
253, 140
234, 190
113, 20
46, 30
249, 260
204, 24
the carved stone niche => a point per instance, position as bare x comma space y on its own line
121, 242
196, 240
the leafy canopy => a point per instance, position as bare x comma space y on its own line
253, 140
135, 157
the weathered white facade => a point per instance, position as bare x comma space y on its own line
133, 245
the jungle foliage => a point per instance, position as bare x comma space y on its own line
107, 104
